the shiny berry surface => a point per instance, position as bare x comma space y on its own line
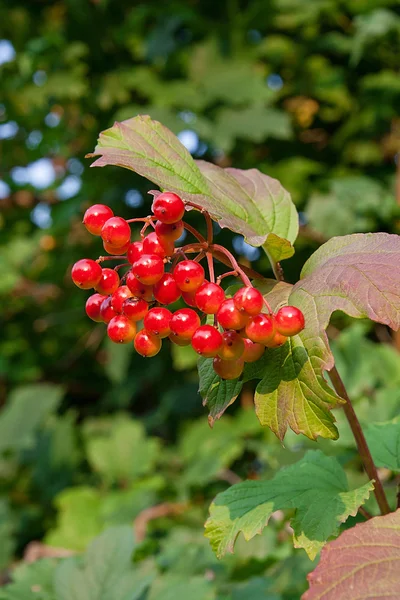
207, 341
189, 275
260, 328
252, 351
169, 231
109, 282
249, 300
209, 297
152, 244
229, 317
146, 344
232, 346
93, 304
157, 321
134, 252
121, 330
289, 320
119, 297
135, 308
228, 369
166, 290
168, 208
86, 273
184, 323
138, 288
149, 269
115, 250
189, 298
106, 310
95, 217
116, 231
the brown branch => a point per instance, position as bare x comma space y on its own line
155, 512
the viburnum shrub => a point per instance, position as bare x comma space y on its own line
261, 329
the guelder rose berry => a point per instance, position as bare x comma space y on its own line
116, 231
207, 341
277, 340
229, 317
93, 304
146, 344
149, 269
168, 208
152, 244
184, 323
157, 321
119, 296
232, 346
95, 217
209, 297
86, 273
166, 290
135, 308
169, 231
121, 330
189, 275
116, 250
138, 288
260, 328
189, 298
134, 251
228, 369
249, 300
109, 282
175, 339
289, 320
252, 351
106, 310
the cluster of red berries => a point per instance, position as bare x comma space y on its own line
241, 331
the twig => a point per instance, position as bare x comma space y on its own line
155, 512
364, 512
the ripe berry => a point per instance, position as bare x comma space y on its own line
184, 323
95, 217
175, 339
106, 310
209, 297
189, 298
149, 269
166, 290
252, 351
157, 321
86, 273
147, 344
115, 250
135, 308
289, 320
189, 275
119, 296
121, 330
207, 341
232, 346
139, 289
93, 304
108, 283
229, 317
169, 231
260, 328
134, 252
168, 208
277, 340
152, 244
249, 300
116, 231
228, 369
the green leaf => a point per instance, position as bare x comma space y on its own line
217, 393
384, 442
316, 487
171, 587
106, 571
7, 531
26, 408
248, 202
118, 360
31, 581
119, 450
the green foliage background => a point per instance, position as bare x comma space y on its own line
91, 435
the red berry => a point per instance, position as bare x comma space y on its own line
260, 328
138, 289
207, 341
252, 351
169, 231
228, 369
189, 298
189, 275
116, 231
229, 317
121, 330
115, 250
147, 344
184, 323
166, 290
149, 269
249, 300
157, 321
93, 304
289, 320
106, 310
232, 346
175, 339
152, 244
277, 340
134, 252
86, 273
119, 296
108, 283
209, 297
168, 208
95, 217
135, 308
